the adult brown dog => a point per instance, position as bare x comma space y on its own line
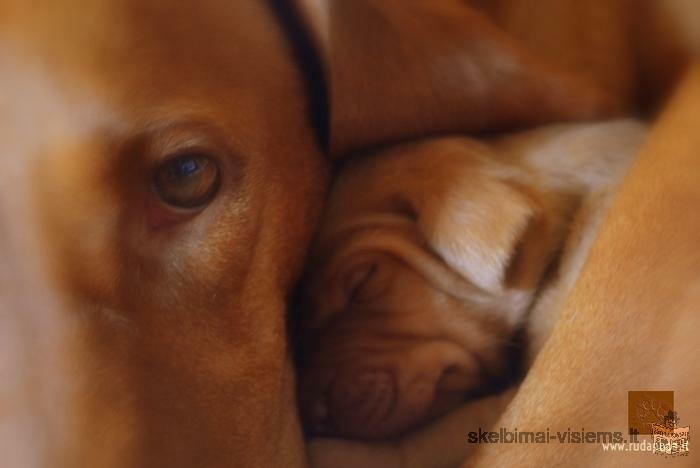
160, 180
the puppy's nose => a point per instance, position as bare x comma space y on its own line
360, 402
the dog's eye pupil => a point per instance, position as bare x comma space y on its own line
185, 167
187, 181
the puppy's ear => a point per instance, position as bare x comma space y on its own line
398, 69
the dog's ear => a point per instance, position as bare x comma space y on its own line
397, 69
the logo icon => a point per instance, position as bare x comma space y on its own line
646, 408
652, 413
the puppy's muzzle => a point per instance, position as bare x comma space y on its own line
371, 400
358, 403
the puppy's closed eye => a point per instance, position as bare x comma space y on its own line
367, 281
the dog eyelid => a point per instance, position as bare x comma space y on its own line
181, 167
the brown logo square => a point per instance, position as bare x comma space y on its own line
646, 408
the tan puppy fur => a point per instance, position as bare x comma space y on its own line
631, 319
430, 256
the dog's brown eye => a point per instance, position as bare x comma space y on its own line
189, 180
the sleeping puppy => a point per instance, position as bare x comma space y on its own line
430, 257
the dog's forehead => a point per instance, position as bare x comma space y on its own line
152, 58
